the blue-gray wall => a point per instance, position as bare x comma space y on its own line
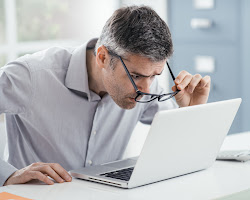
227, 41
245, 57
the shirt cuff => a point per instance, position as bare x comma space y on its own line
6, 170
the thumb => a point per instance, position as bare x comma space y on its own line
174, 88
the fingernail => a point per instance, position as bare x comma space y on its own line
68, 178
61, 180
177, 80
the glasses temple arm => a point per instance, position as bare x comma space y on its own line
170, 71
129, 76
171, 74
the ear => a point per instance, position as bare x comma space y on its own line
102, 57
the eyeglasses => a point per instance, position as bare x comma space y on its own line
148, 97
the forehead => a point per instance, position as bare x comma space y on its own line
143, 65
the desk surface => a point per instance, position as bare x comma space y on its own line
223, 178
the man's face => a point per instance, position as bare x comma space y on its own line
118, 85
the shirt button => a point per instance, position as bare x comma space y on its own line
90, 162
94, 132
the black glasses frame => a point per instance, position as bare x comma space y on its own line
160, 97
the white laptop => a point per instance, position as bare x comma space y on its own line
179, 142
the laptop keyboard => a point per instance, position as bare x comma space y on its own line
123, 174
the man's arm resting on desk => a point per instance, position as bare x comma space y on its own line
39, 171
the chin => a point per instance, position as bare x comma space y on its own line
124, 103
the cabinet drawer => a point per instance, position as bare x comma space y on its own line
224, 17
225, 78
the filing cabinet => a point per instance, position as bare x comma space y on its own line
214, 35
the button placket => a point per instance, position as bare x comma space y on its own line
90, 162
91, 142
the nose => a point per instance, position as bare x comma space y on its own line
144, 85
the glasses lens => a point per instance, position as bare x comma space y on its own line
165, 97
145, 98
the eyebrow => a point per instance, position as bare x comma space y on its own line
136, 73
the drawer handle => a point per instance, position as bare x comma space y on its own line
199, 23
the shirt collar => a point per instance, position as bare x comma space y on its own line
77, 75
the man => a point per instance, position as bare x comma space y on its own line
78, 107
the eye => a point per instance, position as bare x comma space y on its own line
135, 77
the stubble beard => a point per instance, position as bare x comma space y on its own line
117, 94
124, 102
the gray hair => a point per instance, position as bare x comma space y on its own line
137, 30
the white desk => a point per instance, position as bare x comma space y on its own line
221, 179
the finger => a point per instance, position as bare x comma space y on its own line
174, 88
194, 82
181, 76
205, 81
184, 83
46, 169
61, 171
40, 176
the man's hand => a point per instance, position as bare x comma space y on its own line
194, 89
39, 171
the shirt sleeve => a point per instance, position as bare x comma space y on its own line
153, 107
6, 170
15, 98
15, 88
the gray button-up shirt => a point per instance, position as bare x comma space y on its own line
53, 116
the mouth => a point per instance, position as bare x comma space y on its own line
131, 99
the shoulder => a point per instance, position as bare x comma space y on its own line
51, 58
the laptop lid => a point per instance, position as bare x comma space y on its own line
184, 140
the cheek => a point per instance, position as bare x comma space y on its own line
117, 85
126, 85
111, 84
121, 87
108, 83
